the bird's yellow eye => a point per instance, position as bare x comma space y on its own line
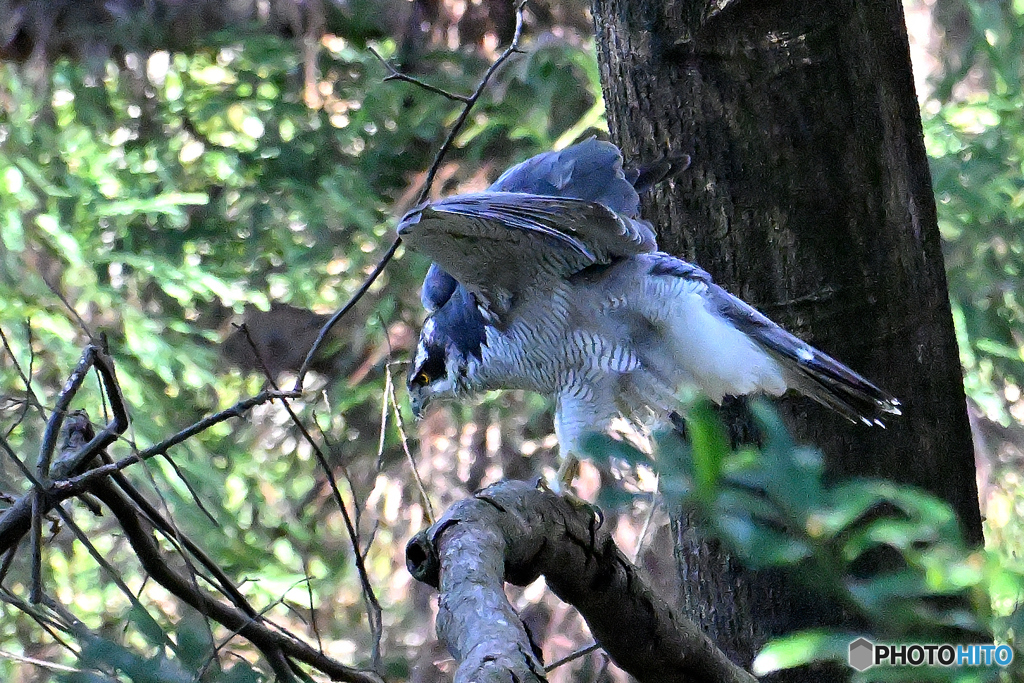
422, 378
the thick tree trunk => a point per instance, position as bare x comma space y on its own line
810, 197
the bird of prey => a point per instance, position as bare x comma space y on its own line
551, 281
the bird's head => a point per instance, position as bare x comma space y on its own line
435, 369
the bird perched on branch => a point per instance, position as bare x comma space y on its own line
550, 281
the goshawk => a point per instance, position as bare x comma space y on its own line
550, 281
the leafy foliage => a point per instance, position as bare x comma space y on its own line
974, 128
891, 556
170, 194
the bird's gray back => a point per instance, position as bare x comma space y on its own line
591, 171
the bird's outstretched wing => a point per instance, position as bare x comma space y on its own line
591, 171
502, 246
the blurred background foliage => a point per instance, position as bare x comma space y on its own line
171, 170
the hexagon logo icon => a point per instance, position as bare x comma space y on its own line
862, 654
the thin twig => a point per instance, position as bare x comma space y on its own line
395, 75
217, 647
357, 508
81, 482
188, 486
384, 412
47, 623
326, 329
428, 508
312, 606
8, 561
15, 520
71, 309
470, 102
53, 425
183, 543
31, 400
374, 613
41, 663
272, 643
459, 122
571, 657
113, 573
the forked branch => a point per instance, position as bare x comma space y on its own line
515, 532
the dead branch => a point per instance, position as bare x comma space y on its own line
396, 75
513, 531
81, 468
273, 644
374, 613
92, 356
16, 520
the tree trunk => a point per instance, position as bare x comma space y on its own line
810, 197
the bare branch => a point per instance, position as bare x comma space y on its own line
272, 643
112, 573
572, 657
45, 622
326, 329
26, 378
35, 595
459, 122
374, 613
16, 519
71, 309
76, 485
395, 75
53, 425
470, 102
72, 460
513, 531
389, 389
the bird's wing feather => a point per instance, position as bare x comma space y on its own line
438, 287
503, 245
591, 171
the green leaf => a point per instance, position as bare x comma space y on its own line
164, 203
710, 446
603, 447
148, 626
802, 648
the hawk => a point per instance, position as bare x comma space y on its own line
551, 281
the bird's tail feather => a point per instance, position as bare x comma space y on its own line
834, 385
647, 176
809, 371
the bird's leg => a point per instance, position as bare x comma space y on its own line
567, 471
580, 409
562, 484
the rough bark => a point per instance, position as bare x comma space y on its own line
513, 531
810, 197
